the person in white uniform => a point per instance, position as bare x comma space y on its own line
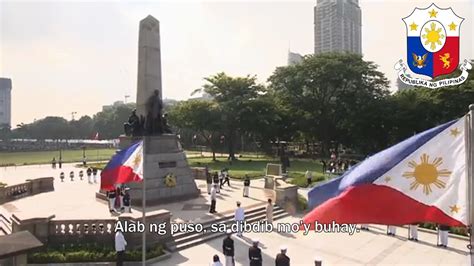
120, 245
239, 218
443, 231
413, 232
391, 230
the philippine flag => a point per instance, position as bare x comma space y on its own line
126, 166
422, 179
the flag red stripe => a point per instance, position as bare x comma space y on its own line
118, 175
375, 204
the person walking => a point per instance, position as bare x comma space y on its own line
239, 218
255, 254
269, 211
213, 199
60, 163
209, 182
221, 180
53, 163
282, 259
228, 249
246, 186
215, 261
120, 245
225, 172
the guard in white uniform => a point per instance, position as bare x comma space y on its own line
391, 230
413, 232
239, 218
443, 231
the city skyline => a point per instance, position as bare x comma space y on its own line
81, 56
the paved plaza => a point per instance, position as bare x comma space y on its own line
72, 200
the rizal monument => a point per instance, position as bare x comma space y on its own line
165, 168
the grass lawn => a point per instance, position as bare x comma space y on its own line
255, 167
39, 157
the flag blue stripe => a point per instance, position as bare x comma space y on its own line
373, 167
121, 157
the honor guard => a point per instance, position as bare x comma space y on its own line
81, 174
282, 259
215, 179
413, 232
213, 199
239, 217
61, 176
208, 182
71, 175
228, 249
443, 231
255, 254
94, 173
246, 186
89, 175
391, 230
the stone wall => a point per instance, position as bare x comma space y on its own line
54, 232
29, 188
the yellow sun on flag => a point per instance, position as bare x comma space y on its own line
137, 160
433, 36
427, 174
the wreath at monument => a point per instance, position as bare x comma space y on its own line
170, 180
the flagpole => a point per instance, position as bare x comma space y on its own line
145, 143
470, 175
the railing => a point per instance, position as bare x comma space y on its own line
31, 187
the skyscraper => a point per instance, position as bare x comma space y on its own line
5, 101
294, 58
337, 26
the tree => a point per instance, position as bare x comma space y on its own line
203, 117
234, 97
327, 92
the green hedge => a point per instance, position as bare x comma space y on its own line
89, 254
454, 230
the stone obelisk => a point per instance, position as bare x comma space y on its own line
149, 62
166, 170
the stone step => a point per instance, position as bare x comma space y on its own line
248, 214
210, 236
5, 225
254, 218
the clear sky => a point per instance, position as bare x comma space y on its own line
68, 57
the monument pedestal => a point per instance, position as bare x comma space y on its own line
163, 157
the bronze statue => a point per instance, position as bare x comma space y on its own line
153, 124
134, 126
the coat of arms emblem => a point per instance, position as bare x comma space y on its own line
433, 41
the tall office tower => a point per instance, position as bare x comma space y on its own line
294, 58
5, 101
337, 26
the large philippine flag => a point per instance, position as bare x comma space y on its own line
126, 166
422, 179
